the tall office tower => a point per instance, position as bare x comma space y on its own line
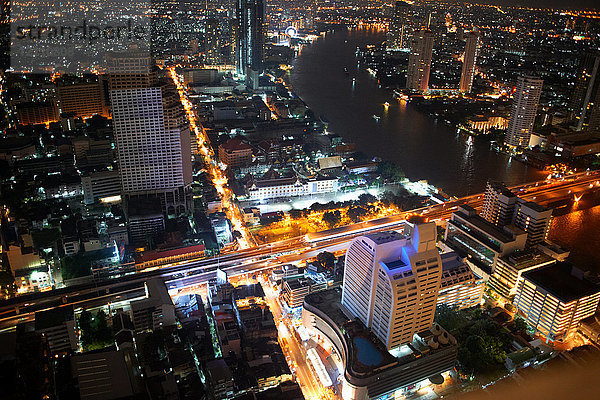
533, 219
250, 35
151, 134
468, 69
419, 61
585, 101
212, 41
391, 282
399, 26
524, 108
498, 204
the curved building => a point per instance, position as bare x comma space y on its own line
370, 371
381, 324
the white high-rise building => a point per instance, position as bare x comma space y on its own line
149, 155
391, 282
468, 69
419, 61
524, 109
151, 133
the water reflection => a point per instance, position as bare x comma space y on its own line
578, 231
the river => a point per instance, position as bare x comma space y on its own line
412, 140
424, 149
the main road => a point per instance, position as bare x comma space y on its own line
196, 272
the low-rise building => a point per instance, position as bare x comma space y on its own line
555, 299
156, 310
157, 258
101, 185
294, 290
251, 215
482, 242
235, 153
460, 287
264, 189
509, 270
220, 378
107, 375
58, 327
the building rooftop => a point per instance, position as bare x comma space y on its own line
535, 206
526, 258
104, 375
451, 261
396, 264
499, 187
385, 237
236, 144
487, 227
158, 254
560, 281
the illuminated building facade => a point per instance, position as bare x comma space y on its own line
82, 99
483, 242
470, 56
498, 204
585, 101
502, 207
391, 283
151, 134
212, 42
460, 288
509, 270
419, 61
524, 109
555, 299
250, 35
399, 26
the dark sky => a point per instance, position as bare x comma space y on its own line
570, 4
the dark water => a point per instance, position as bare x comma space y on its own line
424, 149
579, 231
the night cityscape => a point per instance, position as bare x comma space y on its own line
310, 199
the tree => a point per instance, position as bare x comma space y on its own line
520, 324
356, 213
332, 218
389, 170
103, 331
366, 198
327, 260
85, 324
295, 214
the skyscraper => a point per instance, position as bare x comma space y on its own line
468, 69
212, 41
585, 101
419, 61
250, 35
399, 26
524, 108
151, 134
391, 282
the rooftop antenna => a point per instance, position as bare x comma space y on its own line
429, 20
